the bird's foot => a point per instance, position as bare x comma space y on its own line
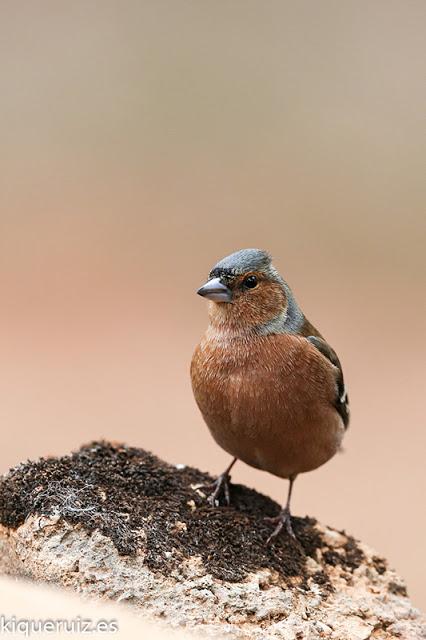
283, 519
218, 487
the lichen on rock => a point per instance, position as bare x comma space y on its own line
117, 522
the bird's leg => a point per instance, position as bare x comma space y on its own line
283, 519
219, 486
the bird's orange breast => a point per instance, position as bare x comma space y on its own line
268, 400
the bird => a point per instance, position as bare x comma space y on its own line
269, 386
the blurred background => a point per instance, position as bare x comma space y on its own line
141, 141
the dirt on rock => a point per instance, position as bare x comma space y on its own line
139, 501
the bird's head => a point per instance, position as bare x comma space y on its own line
246, 291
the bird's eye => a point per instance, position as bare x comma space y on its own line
250, 282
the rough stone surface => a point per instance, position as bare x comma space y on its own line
115, 522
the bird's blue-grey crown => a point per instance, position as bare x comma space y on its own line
242, 262
289, 320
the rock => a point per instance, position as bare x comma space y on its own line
24, 605
115, 522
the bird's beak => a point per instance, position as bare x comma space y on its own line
215, 290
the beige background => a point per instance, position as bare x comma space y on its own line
142, 141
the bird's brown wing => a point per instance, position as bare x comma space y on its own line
342, 400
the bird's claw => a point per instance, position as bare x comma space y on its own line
218, 487
283, 519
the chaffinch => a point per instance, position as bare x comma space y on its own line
268, 385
